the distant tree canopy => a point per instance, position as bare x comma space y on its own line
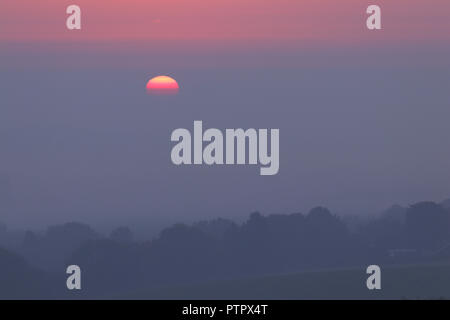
428, 225
121, 234
221, 249
49, 250
3, 228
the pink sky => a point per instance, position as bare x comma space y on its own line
327, 21
180, 33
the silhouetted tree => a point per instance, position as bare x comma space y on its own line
121, 234
50, 250
427, 225
216, 228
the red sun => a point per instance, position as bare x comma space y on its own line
162, 85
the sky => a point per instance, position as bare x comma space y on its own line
236, 20
362, 114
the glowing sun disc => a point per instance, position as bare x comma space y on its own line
162, 85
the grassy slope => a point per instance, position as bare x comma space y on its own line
403, 282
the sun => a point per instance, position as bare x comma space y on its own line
162, 85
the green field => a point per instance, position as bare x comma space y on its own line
399, 282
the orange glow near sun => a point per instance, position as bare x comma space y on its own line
162, 85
